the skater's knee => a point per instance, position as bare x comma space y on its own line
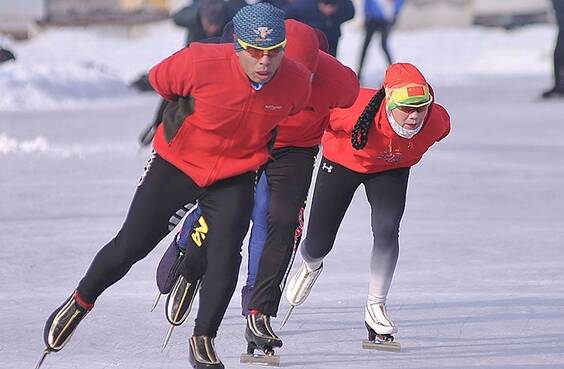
285, 221
385, 230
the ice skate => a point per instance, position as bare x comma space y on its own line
299, 287
62, 323
554, 92
168, 270
202, 353
179, 304
261, 337
380, 329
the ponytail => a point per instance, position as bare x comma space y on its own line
360, 130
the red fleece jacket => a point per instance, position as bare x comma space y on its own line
334, 86
384, 149
229, 130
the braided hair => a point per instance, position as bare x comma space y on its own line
360, 130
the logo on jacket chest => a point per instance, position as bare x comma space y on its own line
272, 107
395, 154
390, 156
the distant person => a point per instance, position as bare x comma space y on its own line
558, 88
234, 5
6, 55
325, 15
379, 16
374, 143
202, 19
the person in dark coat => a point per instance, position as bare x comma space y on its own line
380, 16
325, 15
6, 55
558, 88
202, 19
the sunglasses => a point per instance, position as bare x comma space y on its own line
258, 53
411, 109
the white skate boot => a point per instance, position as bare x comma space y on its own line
380, 329
300, 286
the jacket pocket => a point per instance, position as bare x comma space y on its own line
174, 115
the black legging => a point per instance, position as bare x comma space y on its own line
333, 193
289, 176
161, 196
371, 26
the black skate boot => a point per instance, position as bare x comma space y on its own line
168, 270
179, 303
62, 323
260, 336
202, 353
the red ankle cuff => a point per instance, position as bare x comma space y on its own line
83, 303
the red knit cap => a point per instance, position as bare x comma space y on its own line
406, 86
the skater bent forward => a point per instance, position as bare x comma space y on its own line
210, 154
374, 143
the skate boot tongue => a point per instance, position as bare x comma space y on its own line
259, 331
203, 354
260, 336
301, 284
376, 316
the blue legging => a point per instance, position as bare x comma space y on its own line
258, 230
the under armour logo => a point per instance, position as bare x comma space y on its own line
326, 167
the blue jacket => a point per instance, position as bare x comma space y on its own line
382, 9
307, 11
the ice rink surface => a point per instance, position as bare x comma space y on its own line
479, 284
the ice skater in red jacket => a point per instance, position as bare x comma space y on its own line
374, 143
229, 99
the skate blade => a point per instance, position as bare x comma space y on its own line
156, 302
286, 317
269, 360
381, 346
43, 356
167, 337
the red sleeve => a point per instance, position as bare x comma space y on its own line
302, 96
445, 119
344, 119
349, 86
172, 77
337, 84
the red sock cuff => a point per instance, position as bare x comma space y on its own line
83, 303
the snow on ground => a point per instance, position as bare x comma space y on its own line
479, 283
73, 67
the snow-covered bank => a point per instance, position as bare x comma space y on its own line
73, 67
